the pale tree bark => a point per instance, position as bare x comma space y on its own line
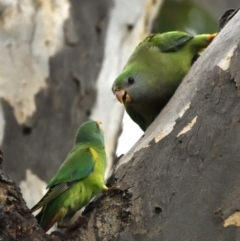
129, 23
58, 60
48, 83
181, 179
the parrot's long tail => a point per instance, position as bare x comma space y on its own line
201, 41
45, 223
39, 216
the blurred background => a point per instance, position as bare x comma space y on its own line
58, 60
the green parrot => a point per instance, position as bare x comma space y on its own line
77, 181
154, 71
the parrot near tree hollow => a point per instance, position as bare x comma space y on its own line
154, 71
77, 181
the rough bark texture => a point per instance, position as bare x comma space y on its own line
17, 223
181, 180
66, 102
182, 184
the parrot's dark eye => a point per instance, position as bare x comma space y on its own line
130, 80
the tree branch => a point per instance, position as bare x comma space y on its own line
17, 222
181, 180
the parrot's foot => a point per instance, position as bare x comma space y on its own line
80, 222
112, 190
62, 225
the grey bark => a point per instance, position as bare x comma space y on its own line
66, 102
17, 223
181, 180
183, 184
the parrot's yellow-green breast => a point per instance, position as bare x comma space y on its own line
78, 180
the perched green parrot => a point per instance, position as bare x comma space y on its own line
79, 178
154, 71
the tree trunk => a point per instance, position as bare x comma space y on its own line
180, 180
69, 92
58, 61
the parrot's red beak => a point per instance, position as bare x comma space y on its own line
122, 96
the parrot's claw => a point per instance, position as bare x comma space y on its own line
111, 191
62, 225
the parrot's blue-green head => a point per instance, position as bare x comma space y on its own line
130, 86
90, 131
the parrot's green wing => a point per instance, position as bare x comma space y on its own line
52, 194
78, 165
154, 71
169, 42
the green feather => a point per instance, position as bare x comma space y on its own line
74, 168
78, 180
154, 71
168, 42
